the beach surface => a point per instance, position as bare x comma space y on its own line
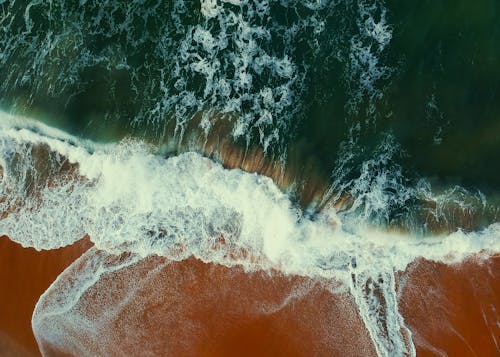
160, 307
24, 275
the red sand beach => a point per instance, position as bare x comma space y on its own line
453, 310
190, 308
24, 275
193, 308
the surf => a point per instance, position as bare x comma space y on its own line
261, 153
130, 200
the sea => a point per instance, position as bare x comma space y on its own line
259, 155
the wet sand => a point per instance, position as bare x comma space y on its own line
453, 310
24, 275
189, 308
193, 308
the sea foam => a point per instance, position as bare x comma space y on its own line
130, 200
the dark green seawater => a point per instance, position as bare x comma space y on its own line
348, 89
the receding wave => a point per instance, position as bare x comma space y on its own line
307, 163
131, 200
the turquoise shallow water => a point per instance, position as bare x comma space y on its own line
321, 85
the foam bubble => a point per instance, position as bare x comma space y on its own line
130, 200
365, 69
146, 300
170, 60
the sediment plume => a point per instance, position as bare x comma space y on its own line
300, 177
311, 188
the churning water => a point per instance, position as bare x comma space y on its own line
153, 100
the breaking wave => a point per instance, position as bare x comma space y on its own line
207, 97
57, 188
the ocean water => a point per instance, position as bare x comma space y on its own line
337, 141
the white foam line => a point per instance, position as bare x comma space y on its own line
386, 335
66, 292
180, 207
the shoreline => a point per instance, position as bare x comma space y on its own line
24, 275
448, 308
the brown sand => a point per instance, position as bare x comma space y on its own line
24, 275
192, 308
189, 308
453, 310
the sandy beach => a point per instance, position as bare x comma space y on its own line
192, 308
24, 275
